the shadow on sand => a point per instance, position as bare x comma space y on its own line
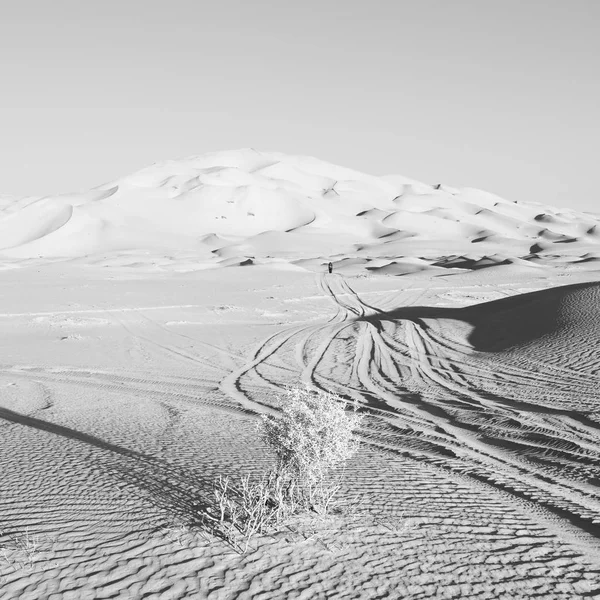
185, 494
500, 324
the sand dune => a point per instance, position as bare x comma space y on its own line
32, 222
242, 194
478, 475
148, 322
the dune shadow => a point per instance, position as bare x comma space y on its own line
501, 324
181, 492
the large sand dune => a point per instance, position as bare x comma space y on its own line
133, 369
173, 206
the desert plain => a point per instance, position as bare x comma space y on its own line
147, 323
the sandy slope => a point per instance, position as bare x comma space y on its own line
232, 207
131, 378
126, 396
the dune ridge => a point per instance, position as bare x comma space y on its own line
257, 203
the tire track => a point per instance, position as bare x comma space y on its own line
430, 388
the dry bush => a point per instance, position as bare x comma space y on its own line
313, 436
23, 551
246, 508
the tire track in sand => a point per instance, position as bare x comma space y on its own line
418, 386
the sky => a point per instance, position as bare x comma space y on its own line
499, 95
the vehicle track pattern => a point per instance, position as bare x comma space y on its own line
440, 401
474, 486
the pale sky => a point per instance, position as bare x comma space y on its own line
498, 94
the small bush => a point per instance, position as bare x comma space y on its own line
24, 550
247, 508
313, 436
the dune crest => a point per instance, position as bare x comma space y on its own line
240, 196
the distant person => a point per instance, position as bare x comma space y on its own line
330, 267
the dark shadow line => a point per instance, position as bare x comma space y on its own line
166, 486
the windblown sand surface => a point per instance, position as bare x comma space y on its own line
136, 353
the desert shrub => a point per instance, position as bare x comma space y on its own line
246, 507
311, 438
23, 551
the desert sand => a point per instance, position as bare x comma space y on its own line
145, 324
